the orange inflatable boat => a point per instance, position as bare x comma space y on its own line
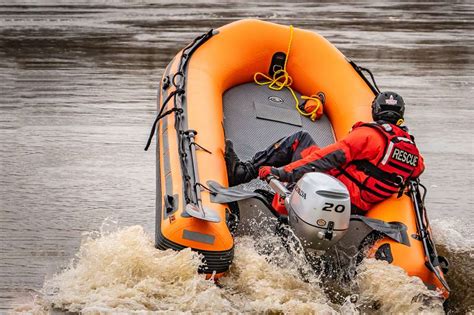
208, 93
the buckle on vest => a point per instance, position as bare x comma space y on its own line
387, 127
399, 181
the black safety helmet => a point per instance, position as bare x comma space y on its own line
388, 106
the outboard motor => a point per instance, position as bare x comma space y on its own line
319, 210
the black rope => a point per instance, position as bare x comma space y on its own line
420, 200
424, 193
200, 147
205, 188
161, 115
423, 231
179, 81
188, 186
371, 76
153, 128
189, 50
358, 69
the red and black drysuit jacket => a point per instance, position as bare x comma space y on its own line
374, 161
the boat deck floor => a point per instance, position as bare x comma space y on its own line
256, 116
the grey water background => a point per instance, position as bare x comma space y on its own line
78, 94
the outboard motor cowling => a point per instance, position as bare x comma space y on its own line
319, 210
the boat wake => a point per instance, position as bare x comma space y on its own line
117, 269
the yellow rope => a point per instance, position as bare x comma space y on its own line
289, 46
281, 79
313, 114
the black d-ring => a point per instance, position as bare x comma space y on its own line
177, 74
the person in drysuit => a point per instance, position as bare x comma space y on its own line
375, 160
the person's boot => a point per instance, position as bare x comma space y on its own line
238, 172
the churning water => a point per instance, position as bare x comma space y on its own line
121, 271
78, 95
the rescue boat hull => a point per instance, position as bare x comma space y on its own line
206, 96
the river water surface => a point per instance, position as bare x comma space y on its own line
77, 98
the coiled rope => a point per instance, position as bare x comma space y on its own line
281, 79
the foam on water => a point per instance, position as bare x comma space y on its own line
122, 271
388, 289
454, 234
119, 270
262, 286
454, 240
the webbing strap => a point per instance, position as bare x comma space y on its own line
359, 184
373, 171
161, 115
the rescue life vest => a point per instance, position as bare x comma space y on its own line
390, 173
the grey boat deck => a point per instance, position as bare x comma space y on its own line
256, 116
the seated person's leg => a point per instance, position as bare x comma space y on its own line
285, 150
303, 145
278, 154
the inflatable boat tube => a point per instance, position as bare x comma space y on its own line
207, 94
